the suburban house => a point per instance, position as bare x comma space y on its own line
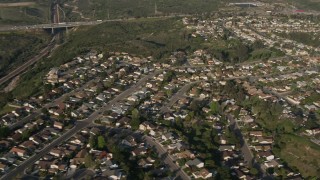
167, 136
266, 154
203, 173
185, 154
195, 163
146, 126
139, 151
19, 151
58, 125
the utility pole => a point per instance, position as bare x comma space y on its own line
155, 8
64, 14
58, 16
49, 14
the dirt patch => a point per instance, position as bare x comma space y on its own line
19, 4
12, 84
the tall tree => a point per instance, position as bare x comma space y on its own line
93, 142
88, 161
214, 107
101, 142
135, 121
4, 131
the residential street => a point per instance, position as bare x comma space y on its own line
246, 152
79, 125
176, 97
179, 173
37, 112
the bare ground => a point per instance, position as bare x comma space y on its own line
19, 4
12, 84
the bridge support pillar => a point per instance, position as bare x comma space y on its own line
67, 30
52, 30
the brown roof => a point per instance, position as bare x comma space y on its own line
16, 136
4, 143
81, 154
28, 143
2, 166
17, 150
265, 153
204, 172
77, 161
139, 151
56, 123
44, 164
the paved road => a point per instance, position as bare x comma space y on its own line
37, 112
246, 152
284, 97
74, 24
166, 108
83, 174
27, 64
80, 125
167, 159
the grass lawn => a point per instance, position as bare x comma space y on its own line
99, 9
307, 4
34, 14
300, 153
6, 109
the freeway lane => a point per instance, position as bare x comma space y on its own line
79, 23
27, 64
80, 125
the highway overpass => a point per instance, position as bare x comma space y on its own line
49, 26
80, 23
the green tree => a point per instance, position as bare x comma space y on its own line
101, 142
93, 142
4, 98
4, 132
195, 106
88, 161
135, 121
223, 173
45, 111
214, 107
135, 114
270, 170
254, 171
210, 163
25, 135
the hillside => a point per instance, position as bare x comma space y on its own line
17, 47
156, 37
103, 9
31, 12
